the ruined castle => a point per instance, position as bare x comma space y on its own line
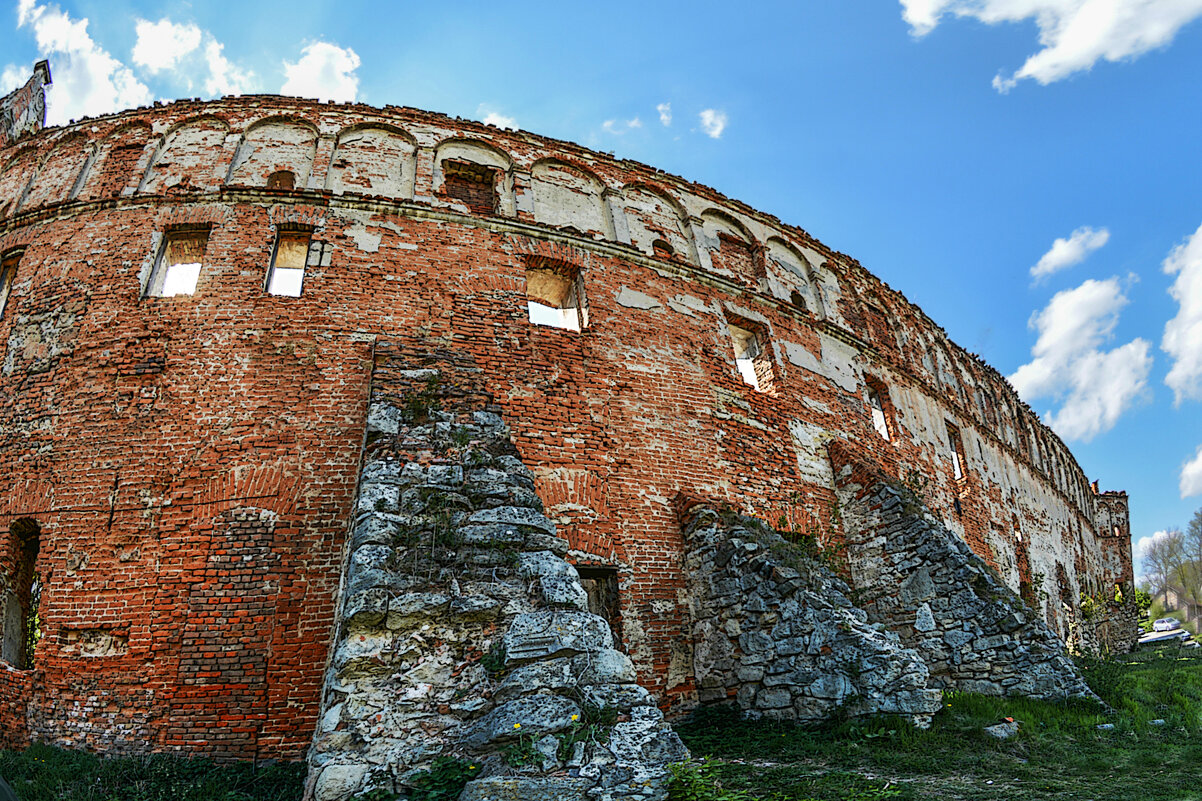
360, 435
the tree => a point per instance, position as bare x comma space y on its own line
1166, 560
1193, 549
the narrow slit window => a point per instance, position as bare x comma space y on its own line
8, 274
555, 296
179, 262
752, 357
287, 273
880, 420
953, 438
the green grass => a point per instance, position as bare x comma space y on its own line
1059, 752
43, 773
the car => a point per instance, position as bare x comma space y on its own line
1166, 624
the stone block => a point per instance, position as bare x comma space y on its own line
563, 591
514, 515
339, 782
542, 634
532, 715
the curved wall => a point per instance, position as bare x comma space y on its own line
191, 461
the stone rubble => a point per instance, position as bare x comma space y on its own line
463, 632
776, 633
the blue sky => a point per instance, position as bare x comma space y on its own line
1028, 171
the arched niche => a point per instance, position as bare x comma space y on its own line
62, 171
474, 174
731, 246
567, 196
189, 158
658, 224
114, 167
373, 160
272, 147
15, 178
797, 272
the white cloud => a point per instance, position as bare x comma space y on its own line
162, 45
1139, 549
1141, 546
713, 123
324, 71
665, 114
1074, 34
1067, 252
87, 79
185, 51
12, 77
1093, 386
619, 127
491, 117
1183, 334
224, 78
1191, 476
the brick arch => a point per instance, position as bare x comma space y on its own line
62, 170
189, 157
373, 158
654, 215
273, 145
116, 166
473, 160
569, 195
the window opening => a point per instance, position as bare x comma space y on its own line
555, 294
601, 586
178, 267
287, 273
474, 185
879, 421
22, 624
738, 257
284, 179
953, 437
751, 356
8, 274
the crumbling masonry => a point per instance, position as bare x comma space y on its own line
217, 475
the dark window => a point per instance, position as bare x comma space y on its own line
601, 586
736, 255
22, 626
283, 179
8, 274
474, 185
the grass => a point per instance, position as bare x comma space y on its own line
43, 773
1059, 752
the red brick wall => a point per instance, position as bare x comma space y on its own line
192, 460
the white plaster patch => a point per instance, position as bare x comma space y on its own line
633, 299
809, 442
802, 357
364, 239
840, 360
688, 305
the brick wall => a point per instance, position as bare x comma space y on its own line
135, 429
